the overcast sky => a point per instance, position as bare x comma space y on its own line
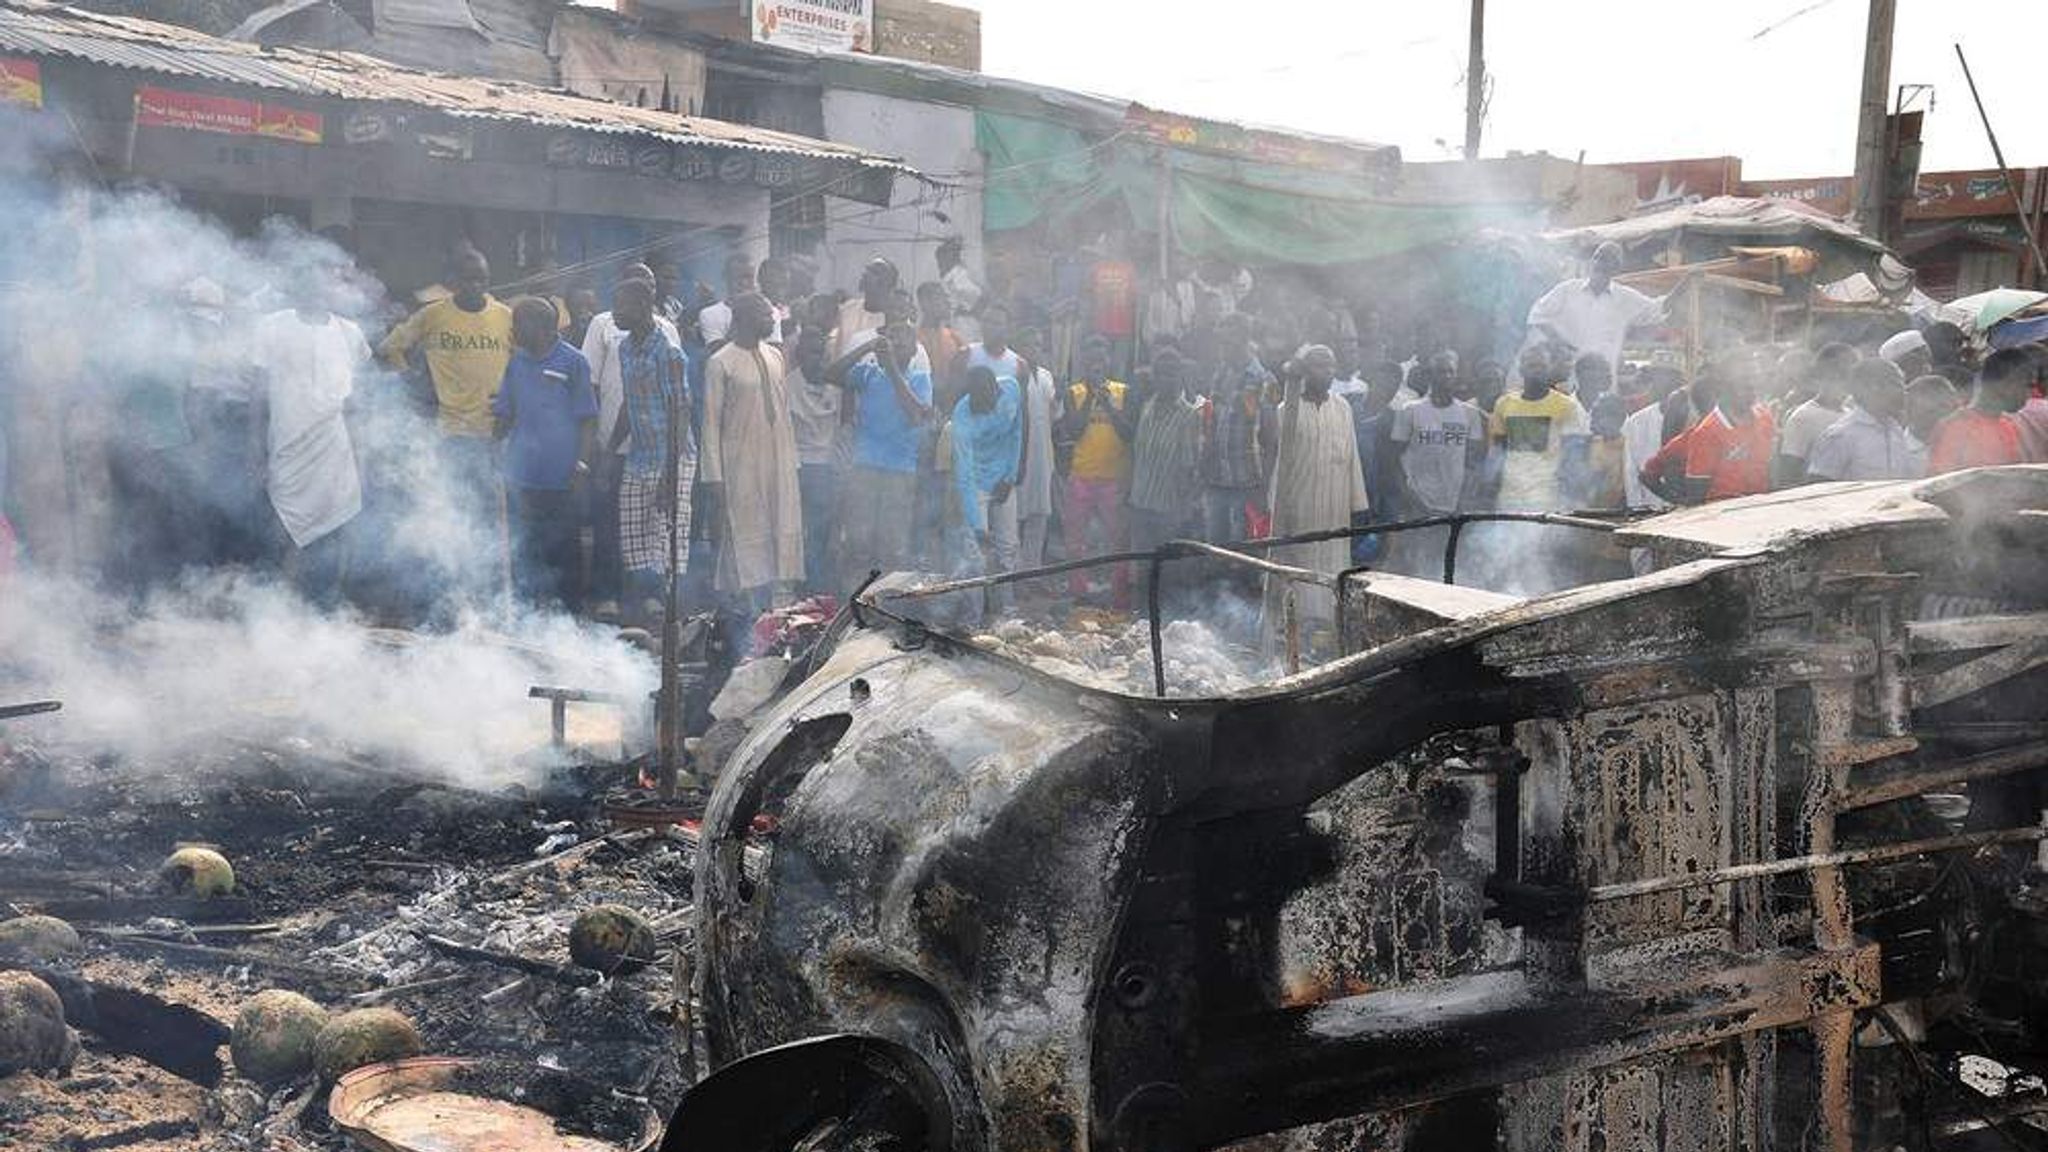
1618, 79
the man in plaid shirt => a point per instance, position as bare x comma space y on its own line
657, 406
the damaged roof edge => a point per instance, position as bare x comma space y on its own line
38, 28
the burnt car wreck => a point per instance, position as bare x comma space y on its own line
1697, 859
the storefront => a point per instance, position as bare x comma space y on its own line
402, 165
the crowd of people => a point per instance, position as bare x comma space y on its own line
781, 441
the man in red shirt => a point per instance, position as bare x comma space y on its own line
1727, 454
1984, 434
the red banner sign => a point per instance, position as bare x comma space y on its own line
169, 108
21, 82
287, 124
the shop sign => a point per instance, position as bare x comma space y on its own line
815, 25
367, 128
696, 164
21, 82
1950, 194
687, 163
226, 115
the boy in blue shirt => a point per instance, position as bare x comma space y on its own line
889, 403
988, 457
546, 414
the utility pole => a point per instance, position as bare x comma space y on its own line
1872, 154
1475, 81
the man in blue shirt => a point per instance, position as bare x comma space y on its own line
546, 414
889, 403
988, 457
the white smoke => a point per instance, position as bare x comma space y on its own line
93, 287
229, 657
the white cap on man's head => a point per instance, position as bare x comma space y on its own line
1900, 346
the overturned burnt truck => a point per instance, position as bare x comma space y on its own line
1709, 858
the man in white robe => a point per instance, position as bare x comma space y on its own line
748, 464
1317, 485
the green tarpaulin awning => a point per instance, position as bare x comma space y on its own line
1258, 214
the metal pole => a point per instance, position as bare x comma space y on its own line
1475, 80
1152, 608
1870, 121
669, 726
1997, 153
1875, 854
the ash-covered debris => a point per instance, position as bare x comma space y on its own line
1199, 661
449, 908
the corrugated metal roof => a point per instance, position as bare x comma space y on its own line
36, 28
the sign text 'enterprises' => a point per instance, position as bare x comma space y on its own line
815, 25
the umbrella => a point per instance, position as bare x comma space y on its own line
1981, 311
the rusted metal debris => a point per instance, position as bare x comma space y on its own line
1578, 871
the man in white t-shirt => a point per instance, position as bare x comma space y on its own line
307, 359
1442, 442
1829, 379
601, 342
1593, 313
714, 322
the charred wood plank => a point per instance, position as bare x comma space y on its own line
133, 1134
305, 975
578, 977
176, 1037
108, 909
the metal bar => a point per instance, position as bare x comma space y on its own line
1451, 554
1997, 153
1343, 614
32, 708
1874, 854
1978, 674
1925, 779
1965, 632
1234, 552
574, 695
1152, 610
1290, 623
1178, 548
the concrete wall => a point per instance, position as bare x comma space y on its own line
929, 32
933, 138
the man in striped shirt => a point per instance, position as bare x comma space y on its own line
1166, 460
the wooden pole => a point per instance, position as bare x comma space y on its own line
1997, 153
1475, 80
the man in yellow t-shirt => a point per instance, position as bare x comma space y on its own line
1538, 431
1099, 424
467, 341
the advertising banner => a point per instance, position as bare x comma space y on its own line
227, 115
21, 82
169, 108
815, 25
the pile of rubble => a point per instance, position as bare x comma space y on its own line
192, 954
1199, 661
